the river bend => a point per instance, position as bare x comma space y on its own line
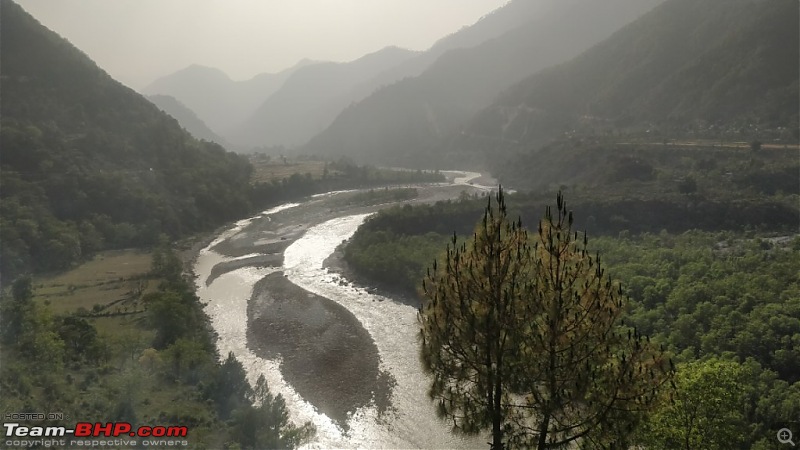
342, 357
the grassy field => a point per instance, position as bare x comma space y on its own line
121, 372
276, 169
110, 283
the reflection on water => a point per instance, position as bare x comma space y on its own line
411, 423
226, 305
393, 326
327, 356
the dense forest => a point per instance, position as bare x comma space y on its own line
88, 164
704, 240
675, 143
724, 70
674, 140
186, 117
409, 122
725, 298
161, 367
617, 188
641, 168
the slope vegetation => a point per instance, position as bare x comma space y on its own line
685, 68
89, 164
404, 122
186, 117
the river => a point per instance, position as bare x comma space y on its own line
342, 357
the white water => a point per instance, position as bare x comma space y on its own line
393, 327
411, 423
226, 305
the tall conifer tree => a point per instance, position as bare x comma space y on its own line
526, 339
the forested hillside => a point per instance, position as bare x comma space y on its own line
688, 68
675, 141
89, 164
718, 295
638, 169
186, 117
406, 123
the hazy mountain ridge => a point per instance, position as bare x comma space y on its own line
416, 113
684, 66
310, 98
215, 98
186, 117
89, 164
493, 25
490, 26
204, 98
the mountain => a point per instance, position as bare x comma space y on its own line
490, 26
494, 24
686, 67
307, 101
216, 99
89, 164
186, 117
203, 89
298, 128
402, 123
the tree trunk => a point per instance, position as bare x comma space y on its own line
497, 433
542, 445
497, 417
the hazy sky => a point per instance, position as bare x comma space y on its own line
137, 41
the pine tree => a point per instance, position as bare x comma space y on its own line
17, 313
526, 340
467, 332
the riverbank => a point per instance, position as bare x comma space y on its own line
336, 264
322, 351
262, 241
325, 355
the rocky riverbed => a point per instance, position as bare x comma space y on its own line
328, 351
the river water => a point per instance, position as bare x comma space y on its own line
411, 421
